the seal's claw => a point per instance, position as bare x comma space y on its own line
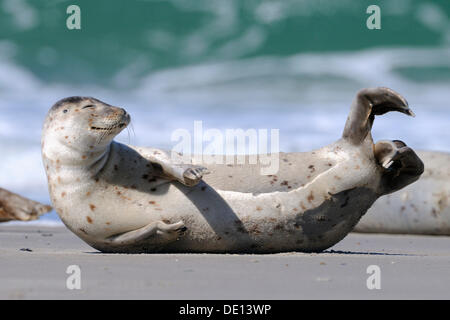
386, 152
193, 175
411, 113
181, 232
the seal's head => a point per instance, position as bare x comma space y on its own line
83, 124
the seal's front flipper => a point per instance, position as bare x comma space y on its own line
174, 169
367, 104
187, 174
156, 233
400, 164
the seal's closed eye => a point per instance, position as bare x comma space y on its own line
88, 106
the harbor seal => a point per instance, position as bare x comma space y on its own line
420, 208
16, 207
121, 198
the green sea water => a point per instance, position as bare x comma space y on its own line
137, 37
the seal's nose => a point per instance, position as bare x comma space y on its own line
125, 115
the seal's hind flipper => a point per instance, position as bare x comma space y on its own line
156, 233
400, 164
367, 104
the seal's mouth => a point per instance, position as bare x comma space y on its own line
109, 128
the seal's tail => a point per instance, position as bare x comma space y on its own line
367, 104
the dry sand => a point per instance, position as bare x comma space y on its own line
33, 263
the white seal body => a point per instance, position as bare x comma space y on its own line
120, 198
126, 196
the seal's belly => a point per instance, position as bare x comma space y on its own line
218, 220
268, 223
305, 206
235, 217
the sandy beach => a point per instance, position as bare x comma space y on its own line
34, 260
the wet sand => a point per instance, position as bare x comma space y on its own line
34, 260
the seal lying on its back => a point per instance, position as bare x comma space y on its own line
120, 198
421, 208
